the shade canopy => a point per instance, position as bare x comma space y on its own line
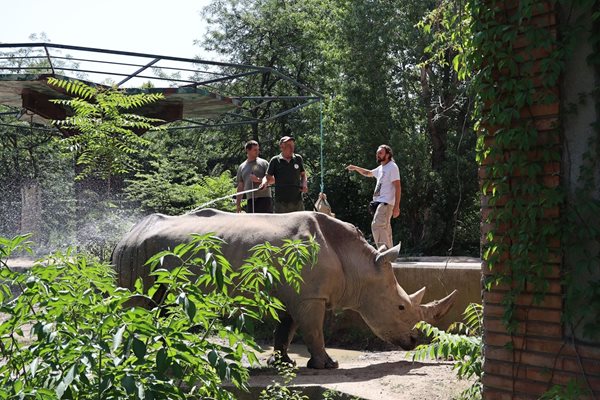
197, 92
31, 93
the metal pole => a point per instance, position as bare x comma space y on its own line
322, 158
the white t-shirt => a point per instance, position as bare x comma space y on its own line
385, 192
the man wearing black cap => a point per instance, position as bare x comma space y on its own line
286, 170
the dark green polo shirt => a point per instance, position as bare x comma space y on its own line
288, 182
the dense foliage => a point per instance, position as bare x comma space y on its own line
66, 331
104, 133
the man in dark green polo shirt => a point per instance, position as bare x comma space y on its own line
287, 172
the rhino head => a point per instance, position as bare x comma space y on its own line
389, 311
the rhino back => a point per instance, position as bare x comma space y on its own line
130, 253
341, 245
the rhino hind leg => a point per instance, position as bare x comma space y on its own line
282, 336
311, 326
329, 363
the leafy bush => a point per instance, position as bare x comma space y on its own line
108, 130
174, 189
464, 347
67, 333
279, 391
573, 390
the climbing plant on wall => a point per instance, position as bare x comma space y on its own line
520, 63
513, 152
581, 235
537, 222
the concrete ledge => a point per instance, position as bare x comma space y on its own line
441, 276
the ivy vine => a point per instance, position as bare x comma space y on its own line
539, 224
520, 63
511, 81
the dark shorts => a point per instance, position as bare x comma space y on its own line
259, 205
281, 208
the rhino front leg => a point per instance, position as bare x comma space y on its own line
311, 315
282, 336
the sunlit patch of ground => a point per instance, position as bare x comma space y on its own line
384, 375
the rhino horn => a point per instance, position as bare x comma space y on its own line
435, 310
417, 296
388, 255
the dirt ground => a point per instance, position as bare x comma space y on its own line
381, 375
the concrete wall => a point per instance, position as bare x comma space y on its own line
579, 81
441, 278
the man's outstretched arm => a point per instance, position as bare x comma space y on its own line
360, 170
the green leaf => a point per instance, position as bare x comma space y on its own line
162, 361
69, 375
128, 383
456, 62
139, 349
190, 309
33, 366
118, 338
213, 357
62, 387
141, 391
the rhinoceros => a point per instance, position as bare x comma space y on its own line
349, 273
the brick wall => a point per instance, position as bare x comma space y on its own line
529, 362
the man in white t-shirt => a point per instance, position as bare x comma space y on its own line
386, 197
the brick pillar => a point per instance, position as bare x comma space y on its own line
527, 363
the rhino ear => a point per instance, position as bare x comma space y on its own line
388, 255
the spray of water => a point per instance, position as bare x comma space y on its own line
221, 198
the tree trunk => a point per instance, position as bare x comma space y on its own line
437, 124
31, 208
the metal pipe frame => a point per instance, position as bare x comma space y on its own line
243, 71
